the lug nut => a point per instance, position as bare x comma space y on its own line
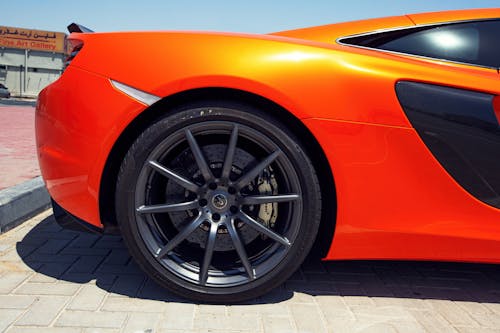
203, 202
233, 209
216, 216
212, 186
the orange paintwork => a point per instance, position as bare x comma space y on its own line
394, 199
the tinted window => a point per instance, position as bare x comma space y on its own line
472, 42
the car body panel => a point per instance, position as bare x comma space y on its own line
394, 199
329, 33
75, 137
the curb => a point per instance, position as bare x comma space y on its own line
20, 202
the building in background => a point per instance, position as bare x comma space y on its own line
30, 59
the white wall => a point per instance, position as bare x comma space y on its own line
43, 68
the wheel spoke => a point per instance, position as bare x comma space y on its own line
240, 249
198, 156
263, 229
177, 207
262, 199
209, 251
182, 235
231, 148
250, 175
187, 184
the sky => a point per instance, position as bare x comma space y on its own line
254, 16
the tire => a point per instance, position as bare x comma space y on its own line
218, 202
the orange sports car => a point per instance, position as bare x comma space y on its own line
223, 158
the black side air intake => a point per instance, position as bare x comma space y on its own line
461, 130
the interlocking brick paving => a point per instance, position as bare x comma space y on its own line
18, 159
55, 280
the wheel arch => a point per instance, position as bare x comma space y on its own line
149, 115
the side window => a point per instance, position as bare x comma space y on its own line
449, 42
476, 43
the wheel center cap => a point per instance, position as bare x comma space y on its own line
219, 201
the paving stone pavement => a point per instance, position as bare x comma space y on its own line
18, 159
54, 280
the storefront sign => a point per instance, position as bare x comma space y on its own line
32, 39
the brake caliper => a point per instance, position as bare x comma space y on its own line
267, 185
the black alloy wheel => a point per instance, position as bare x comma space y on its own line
219, 203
